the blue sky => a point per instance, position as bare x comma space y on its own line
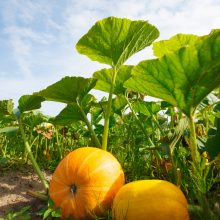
38, 37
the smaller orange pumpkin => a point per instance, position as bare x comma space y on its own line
150, 199
85, 183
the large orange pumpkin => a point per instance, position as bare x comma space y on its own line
85, 183
150, 200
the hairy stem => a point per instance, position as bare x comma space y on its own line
193, 141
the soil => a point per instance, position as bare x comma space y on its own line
14, 185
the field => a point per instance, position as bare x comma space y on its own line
175, 138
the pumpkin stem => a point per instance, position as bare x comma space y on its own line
73, 189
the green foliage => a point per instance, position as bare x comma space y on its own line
71, 113
6, 107
113, 40
176, 42
104, 78
21, 214
48, 212
29, 102
183, 78
213, 143
152, 140
68, 89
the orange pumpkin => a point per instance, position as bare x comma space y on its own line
150, 199
85, 183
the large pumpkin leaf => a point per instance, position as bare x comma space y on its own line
163, 47
184, 77
29, 102
113, 40
104, 78
68, 89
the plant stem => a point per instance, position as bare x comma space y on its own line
32, 159
95, 140
108, 111
58, 145
158, 125
193, 141
150, 142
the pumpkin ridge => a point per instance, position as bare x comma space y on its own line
63, 202
103, 167
94, 188
67, 168
85, 160
58, 192
58, 180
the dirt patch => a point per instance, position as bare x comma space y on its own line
13, 191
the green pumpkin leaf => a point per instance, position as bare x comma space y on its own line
113, 40
87, 102
163, 47
71, 113
68, 89
146, 108
183, 78
29, 102
104, 79
212, 144
118, 104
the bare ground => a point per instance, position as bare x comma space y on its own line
14, 185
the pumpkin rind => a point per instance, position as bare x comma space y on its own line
151, 200
85, 182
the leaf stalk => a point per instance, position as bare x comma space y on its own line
108, 111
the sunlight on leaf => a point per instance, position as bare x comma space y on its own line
113, 40
184, 77
163, 47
